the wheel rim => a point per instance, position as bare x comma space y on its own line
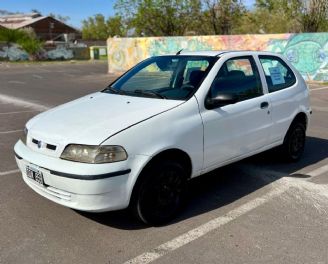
169, 190
297, 142
164, 198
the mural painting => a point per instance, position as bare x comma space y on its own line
308, 52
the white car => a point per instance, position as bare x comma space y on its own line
167, 120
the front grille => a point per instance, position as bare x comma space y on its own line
52, 147
48, 146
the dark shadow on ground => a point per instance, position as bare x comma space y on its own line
227, 184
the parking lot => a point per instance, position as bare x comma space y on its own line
259, 210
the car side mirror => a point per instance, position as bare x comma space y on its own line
220, 100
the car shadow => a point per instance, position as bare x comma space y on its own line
227, 184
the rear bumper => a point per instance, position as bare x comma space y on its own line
85, 187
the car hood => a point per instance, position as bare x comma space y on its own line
93, 118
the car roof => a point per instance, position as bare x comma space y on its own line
215, 53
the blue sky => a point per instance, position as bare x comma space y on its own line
77, 10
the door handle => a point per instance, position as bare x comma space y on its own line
264, 105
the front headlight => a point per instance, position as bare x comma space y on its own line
94, 154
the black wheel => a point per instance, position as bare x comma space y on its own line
294, 142
158, 196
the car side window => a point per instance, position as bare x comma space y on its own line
238, 76
277, 74
194, 72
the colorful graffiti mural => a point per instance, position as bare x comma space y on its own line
308, 52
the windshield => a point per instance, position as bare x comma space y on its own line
166, 77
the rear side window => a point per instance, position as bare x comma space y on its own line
277, 74
238, 76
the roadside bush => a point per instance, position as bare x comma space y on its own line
32, 46
11, 35
25, 39
29, 32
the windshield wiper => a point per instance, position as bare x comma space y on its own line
114, 91
144, 92
150, 92
111, 89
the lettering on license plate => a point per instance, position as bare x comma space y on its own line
35, 175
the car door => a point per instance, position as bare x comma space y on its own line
283, 94
234, 130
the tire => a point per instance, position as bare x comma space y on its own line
294, 143
159, 193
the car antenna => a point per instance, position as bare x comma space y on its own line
178, 53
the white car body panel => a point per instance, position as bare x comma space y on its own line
179, 128
286, 104
146, 127
88, 195
235, 130
105, 114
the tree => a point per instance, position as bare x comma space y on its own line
115, 26
95, 28
5, 12
34, 10
98, 28
160, 18
314, 15
277, 16
12, 35
248, 24
61, 18
204, 17
224, 15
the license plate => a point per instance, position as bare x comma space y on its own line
34, 174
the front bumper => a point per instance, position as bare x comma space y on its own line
85, 187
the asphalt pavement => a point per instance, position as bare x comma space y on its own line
259, 210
